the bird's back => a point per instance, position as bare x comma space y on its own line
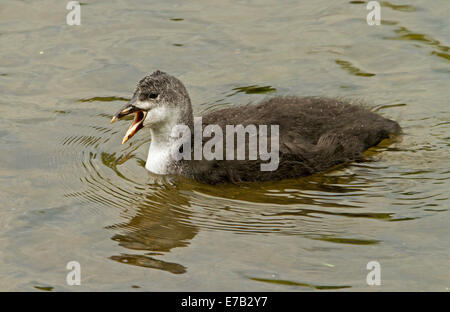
314, 134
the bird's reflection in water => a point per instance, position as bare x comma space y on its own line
159, 224
166, 214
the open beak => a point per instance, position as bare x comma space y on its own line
138, 121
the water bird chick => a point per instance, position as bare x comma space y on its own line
315, 133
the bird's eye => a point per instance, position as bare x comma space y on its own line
153, 95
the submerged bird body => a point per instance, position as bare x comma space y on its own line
315, 133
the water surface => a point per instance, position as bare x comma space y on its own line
70, 191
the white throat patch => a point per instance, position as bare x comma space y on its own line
162, 146
158, 159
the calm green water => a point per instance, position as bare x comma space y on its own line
70, 191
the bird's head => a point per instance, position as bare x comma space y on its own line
159, 101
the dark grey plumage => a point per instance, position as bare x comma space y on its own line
316, 133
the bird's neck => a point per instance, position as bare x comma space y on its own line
164, 146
